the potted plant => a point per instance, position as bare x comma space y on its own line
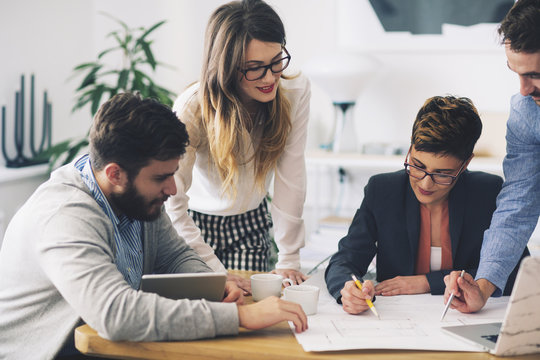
100, 82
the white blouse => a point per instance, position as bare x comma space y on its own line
436, 258
199, 186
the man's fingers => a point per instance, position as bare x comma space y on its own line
232, 298
295, 314
300, 321
468, 277
466, 283
298, 325
458, 304
452, 285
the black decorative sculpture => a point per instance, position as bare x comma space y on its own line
20, 160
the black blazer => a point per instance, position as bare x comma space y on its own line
387, 224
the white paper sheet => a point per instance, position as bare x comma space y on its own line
407, 322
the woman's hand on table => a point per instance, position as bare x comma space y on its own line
241, 282
233, 293
403, 285
296, 276
271, 311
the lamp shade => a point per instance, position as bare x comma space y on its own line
342, 75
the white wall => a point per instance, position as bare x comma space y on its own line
50, 37
46, 38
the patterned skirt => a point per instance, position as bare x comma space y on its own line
241, 242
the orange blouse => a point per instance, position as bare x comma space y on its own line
424, 241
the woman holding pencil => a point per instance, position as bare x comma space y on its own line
425, 220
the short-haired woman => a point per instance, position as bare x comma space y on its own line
425, 220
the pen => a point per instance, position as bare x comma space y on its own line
370, 304
450, 298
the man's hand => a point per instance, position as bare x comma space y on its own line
403, 285
296, 276
469, 295
233, 293
271, 311
354, 299
241, 282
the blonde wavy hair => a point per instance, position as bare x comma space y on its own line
225, 119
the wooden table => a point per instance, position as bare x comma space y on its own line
276, 342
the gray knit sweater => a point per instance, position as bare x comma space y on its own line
57, 266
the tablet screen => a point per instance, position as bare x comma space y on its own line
209, 286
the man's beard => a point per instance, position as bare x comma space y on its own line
132, 204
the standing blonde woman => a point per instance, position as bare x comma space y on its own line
247, 122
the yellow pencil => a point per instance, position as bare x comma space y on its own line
370, 304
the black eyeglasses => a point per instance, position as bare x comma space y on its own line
437, 178
257, 73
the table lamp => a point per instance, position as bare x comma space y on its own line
343, 76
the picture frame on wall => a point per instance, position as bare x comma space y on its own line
410, 25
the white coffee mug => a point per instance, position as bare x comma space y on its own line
265, 285
305, 295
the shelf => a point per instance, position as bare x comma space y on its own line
14, 174
384, 163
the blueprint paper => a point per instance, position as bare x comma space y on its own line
407, 322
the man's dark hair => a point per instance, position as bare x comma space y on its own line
131, 131
521, 26
447, 125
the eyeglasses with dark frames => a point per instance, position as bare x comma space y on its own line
257, 73
437, 178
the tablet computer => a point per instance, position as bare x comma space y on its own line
209, 286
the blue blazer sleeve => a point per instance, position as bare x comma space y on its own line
355, 250
381, 215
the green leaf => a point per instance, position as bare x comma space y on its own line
83, 99
112, 92
105, 52
118, 40
141, 75
74, 150
110, 72
149, 55
96, 98
55, 149
128, 39
152, 28
137, 82
85, 65
122, 79
90, 77
123, 24
163, 95
103, 81
168, 66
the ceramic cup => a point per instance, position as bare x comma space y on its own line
305, 295
265, 285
